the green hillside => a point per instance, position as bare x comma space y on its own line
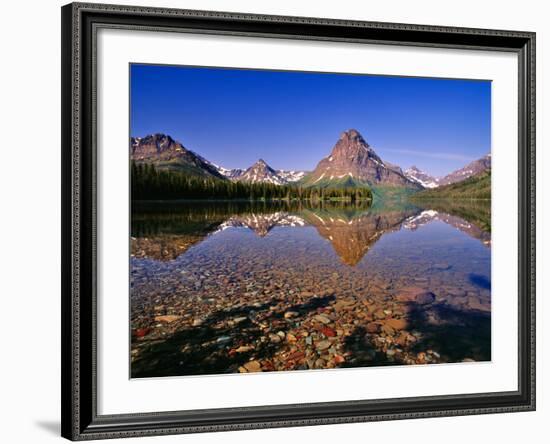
476, 187
182, 166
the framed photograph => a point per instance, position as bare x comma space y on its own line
280, 221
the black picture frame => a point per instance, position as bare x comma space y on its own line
80, 420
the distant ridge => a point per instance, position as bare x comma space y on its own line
472, 169
261, 172
419, 176
474, 187
352, 162
166, 153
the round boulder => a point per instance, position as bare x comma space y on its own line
425, 298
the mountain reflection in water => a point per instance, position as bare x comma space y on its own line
223, 287
164, 232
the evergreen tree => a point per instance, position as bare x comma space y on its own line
148, 183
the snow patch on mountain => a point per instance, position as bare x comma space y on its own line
291, 176
421, 177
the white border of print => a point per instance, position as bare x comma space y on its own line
117, 393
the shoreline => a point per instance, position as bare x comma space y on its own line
248, 200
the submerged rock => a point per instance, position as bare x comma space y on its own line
167, 318
425, 298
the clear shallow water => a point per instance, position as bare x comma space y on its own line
226, 287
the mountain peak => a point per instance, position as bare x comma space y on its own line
351, 144
157, 137
261, 172
472, 169
352, 159
154, 145
159, 148
417, 175
353, 135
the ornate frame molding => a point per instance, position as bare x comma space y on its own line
80, 22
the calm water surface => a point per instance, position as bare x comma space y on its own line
240, 287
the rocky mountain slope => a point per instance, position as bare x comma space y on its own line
291, 176
474, 187
261, 172
416, 175
166, 153
230, 174
472, 169
353, 161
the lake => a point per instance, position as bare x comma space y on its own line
223, 287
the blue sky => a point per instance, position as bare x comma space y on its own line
292, 120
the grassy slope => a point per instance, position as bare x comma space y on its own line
179, 166
477, 187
